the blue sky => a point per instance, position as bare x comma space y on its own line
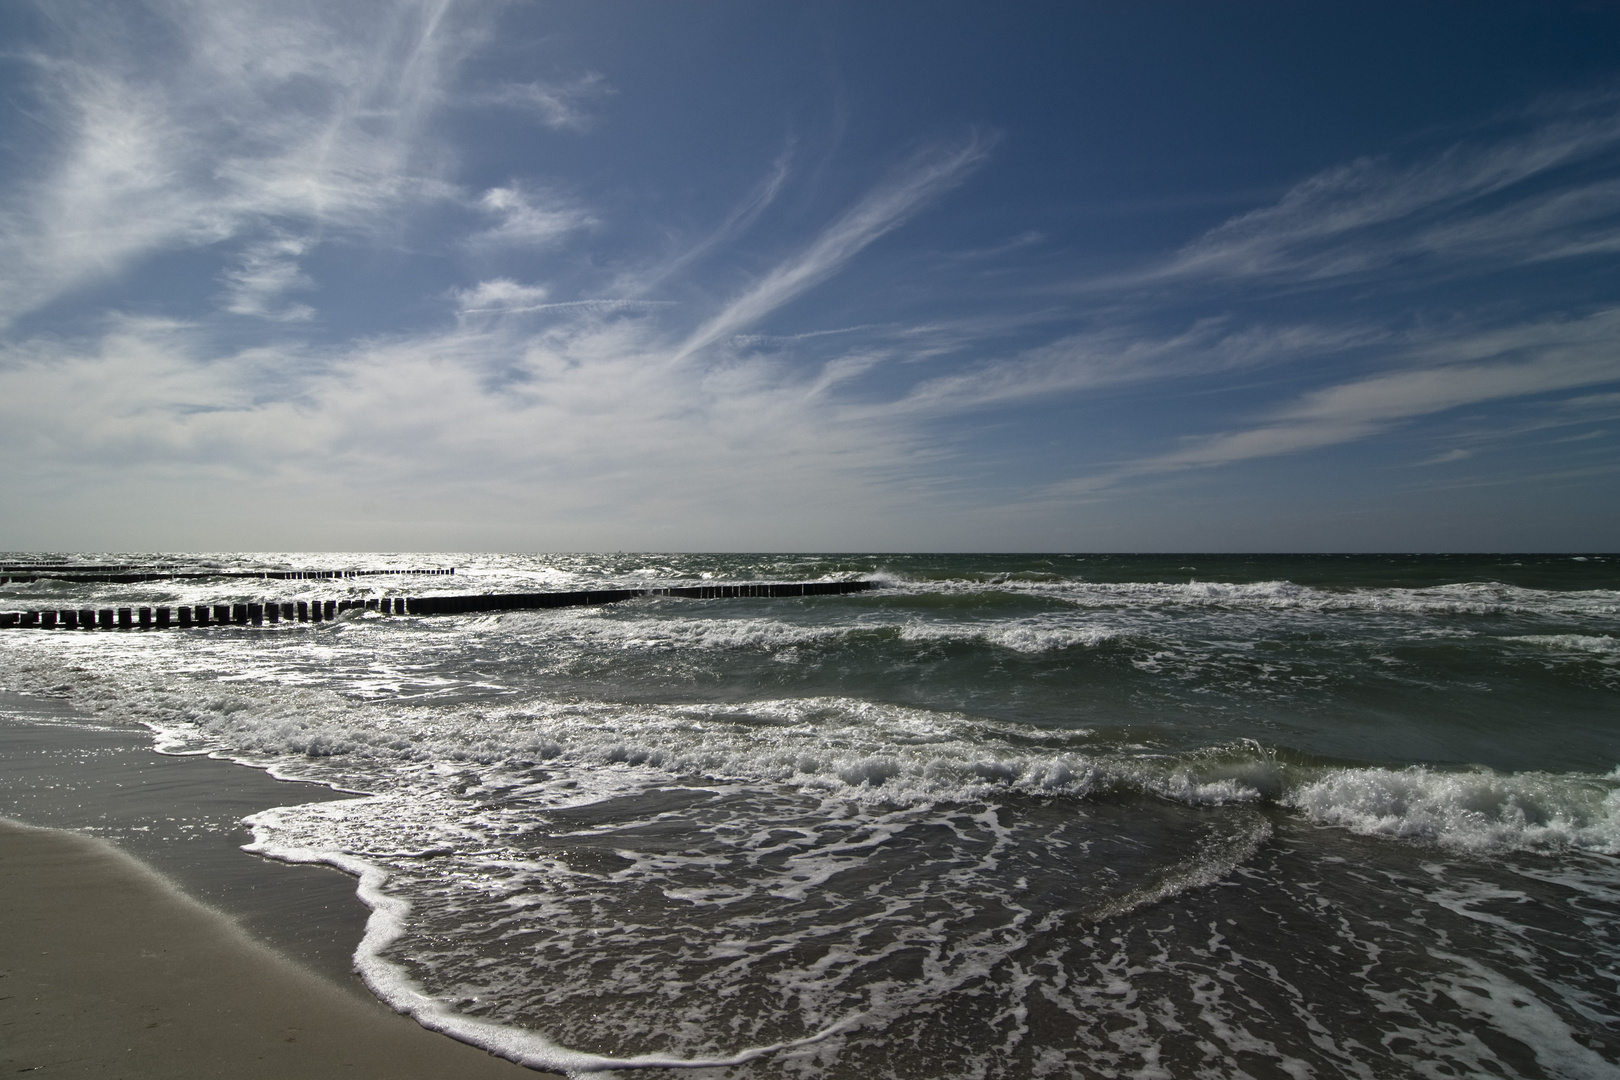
722, 276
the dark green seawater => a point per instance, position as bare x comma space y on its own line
1004, 816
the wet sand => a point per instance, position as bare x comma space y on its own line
182, 817
106, 970
111, 967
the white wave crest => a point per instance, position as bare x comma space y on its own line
1601, 644
1023, 635
1480, 810
1466, 598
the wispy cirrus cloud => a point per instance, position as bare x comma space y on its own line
884, 209
561, 106
265, 272
533, 388
736, 223
176, 125
505, 297
1114, 355
1518, 362
1517, 198
526, 218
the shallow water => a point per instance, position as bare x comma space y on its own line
1004, 816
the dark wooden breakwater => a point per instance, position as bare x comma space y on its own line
125, 575
314, 611
460, 605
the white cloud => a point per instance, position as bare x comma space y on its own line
560, 106
1371, 214
1537, 358
736, 224
275, 126
181, 124
500, 295
878, 213
577, 425
1115, 356
527, 219
266, 272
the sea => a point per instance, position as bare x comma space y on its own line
1000, 816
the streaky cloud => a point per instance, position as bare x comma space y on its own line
557, 105
258, 114
882, 210
1531, 359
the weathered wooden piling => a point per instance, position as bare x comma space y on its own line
129, 575
457, 605
257, 614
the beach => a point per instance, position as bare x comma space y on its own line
107, 970
1001, 816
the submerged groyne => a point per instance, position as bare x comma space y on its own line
315, 611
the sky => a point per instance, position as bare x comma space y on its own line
631, 275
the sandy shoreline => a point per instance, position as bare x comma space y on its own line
180, 816
107, 970
110, 968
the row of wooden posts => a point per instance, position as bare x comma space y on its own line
164, 618
121, 575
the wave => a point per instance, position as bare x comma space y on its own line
1474, 598
1022, 635
622, 629
392, 981
872, 753
1600, 644
1477, 810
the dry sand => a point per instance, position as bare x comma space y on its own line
107, 970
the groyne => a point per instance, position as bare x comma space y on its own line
125, 575
315, 611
